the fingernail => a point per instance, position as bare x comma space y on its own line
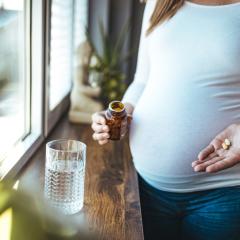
196, 169
195, 162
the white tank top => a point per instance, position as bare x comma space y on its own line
186, 90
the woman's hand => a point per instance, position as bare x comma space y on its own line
214, 158
100, 128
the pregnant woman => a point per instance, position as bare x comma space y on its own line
185, 132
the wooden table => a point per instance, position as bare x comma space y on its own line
112, 205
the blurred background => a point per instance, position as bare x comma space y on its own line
49, 49
60, 57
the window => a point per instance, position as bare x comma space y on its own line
80, 21
68, 22
60, 50
36, 58
66, 29
20, 82
14, 73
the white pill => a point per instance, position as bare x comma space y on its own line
227, 142
225, 146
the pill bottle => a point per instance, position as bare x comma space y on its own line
117, 120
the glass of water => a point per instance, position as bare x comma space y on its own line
64, 175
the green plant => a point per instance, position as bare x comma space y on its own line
25, 216
107, 64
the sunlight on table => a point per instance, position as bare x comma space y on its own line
6, 224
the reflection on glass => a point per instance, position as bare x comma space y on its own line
80, 22
61, 38
12, 74
68, 23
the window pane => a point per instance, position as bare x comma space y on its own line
80, 21
14, 97
60, 50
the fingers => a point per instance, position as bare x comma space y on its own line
101, 130
215, 164
99, 118
98, 128
102, 142
223, 164
210, 156
205, 152
100, 136
217, 141
202, 166
214, 145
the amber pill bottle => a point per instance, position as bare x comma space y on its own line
117, 120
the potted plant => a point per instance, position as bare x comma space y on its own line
25, 216
105, 67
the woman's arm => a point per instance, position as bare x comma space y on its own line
136, 88
134, 91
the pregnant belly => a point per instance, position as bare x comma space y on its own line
166, 139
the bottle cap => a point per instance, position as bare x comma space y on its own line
116, 106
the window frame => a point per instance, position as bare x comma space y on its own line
51, 116
23, 150
42, 120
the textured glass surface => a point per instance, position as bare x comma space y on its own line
64, 175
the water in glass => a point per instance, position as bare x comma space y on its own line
64, 180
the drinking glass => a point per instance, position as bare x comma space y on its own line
64, 175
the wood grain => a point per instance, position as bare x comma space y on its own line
111, 203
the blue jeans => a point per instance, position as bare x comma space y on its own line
204, 215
